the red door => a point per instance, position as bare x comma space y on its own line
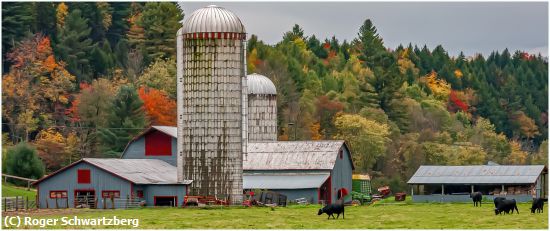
324, 192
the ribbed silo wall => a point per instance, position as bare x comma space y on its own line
210, 96
262, 117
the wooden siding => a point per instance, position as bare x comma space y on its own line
136, 150
67, 181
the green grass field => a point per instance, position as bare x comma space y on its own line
379, 216
9, 190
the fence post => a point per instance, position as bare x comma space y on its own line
67, 202
5, 204
56, 205
27, 203
37, 202
104, 203
16, 202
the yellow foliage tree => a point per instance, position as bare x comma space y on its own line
62, 11
439, 87
517, 156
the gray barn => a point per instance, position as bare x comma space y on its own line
315, 170
455, 183
99, 183
157, 142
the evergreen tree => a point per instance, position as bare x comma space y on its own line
45, 19
126, 120
74, 46
17, 22
370, 43
160, 22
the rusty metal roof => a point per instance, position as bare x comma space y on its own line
139, 171
299, 155
260, 85
477, 174
212, 19
284, 181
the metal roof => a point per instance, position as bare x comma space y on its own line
168, 130
260, 85
139, 171
300, 155
284, 181
478, 174
212, 19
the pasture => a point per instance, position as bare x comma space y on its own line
9, 190
403, 215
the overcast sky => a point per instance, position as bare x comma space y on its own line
466, 26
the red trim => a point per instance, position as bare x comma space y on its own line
108, 192
330, 189
84, 176
155, 199
58, 191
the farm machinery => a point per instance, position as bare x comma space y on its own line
361, 191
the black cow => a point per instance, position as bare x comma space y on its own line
538, 204
505, 206
497, 200
337, 208
476, 197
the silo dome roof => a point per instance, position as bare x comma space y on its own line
212, 19
260, 85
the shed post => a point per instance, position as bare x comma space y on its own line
412, 190
502, 190
472, 188
442, 189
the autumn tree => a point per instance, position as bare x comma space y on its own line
160, 109
367, 138
160, 75
51, 149
34, 88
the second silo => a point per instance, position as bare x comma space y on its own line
211, 77
262, 108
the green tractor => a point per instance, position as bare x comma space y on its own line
361, 192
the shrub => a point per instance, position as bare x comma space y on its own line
22, 160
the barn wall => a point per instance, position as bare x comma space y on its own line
67, 180
136, 150
311, 195
466, 198
150, 191
341, 175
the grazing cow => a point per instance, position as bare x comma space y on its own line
538, 204
337, 208
476, 197
497, 200
505, 206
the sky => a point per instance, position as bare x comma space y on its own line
471, 27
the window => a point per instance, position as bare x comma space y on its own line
341, 153
83, 176
110, 193
58, 194
158, 144
140, 193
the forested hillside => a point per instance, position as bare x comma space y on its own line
81, 79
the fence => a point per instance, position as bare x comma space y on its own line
29, 181
17, 203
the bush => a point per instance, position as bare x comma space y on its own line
22, 160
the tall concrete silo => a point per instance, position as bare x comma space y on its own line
262, 108
211, 85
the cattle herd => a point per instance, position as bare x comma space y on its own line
501, 205
507, 205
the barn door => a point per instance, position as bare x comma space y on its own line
324, 192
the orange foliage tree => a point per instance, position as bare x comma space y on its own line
160, 109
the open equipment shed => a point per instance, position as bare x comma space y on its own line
455, 183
